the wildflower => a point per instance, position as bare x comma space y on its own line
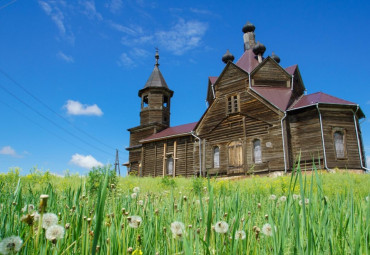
221, 227
137, 252
54, 232
282, 198
267, 229
133, 195
306, 201
136, 190
272, 197
177, 229
10, 245
134, 221
295, 196
240, 234
48, 220
367, 198
36, 216
28, 219
140, 202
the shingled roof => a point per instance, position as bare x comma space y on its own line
248, 61
156, 79
318, 97
176, 131
279, 97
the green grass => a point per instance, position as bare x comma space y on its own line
336, 219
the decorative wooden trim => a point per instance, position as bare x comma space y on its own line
164, 158
174, 158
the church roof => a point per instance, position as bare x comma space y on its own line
318, 97
248, 61
279, 97
156, 79
175, 131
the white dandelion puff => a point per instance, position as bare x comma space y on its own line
295, 196
136, 190
367, 198
221, 227
240, 234
306, 201
272, 197
49, 219
133, 195
54, 232
140, 202
134, 221
282, 198
177, 229
267, 229
10, 245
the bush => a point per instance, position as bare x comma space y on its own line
96, 175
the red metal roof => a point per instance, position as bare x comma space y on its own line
319, 97
277, 96
171, 131
248, 61
291, 69
212, 79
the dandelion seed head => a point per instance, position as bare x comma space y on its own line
367, 198
282, 198
306, 201
296, 196
177, 229
240, 234
133, 195
267, 229
221, 227
272, 197
136, 190
10, 245
49, 219
54, 232
140, 202
134, 221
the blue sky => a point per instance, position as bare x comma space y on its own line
81, 64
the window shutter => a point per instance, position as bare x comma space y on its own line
257, 151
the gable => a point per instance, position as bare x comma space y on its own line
270, 74
231, 75
251, 106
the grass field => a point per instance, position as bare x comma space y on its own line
320, 213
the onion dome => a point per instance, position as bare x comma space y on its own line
227, 57
248, 27
259, 48
275, 57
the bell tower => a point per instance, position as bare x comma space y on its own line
154, 115
155, 98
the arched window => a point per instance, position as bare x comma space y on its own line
257, 153
216, 157
170, 166
339, 144
235, 154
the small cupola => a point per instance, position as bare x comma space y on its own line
258, 50
227, 57
248, 37
275, 57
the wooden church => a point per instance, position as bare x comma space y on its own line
259, 120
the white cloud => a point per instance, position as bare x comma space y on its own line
115, 6
90, 10
7, 150
124, 29
183, 36
139, 52
66, 58
53, 10
87, 162
125, 60
76, 108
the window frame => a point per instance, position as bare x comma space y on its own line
213, 156
253, 151
344, 134
232, 104
168, 158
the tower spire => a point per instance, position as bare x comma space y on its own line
156, 57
